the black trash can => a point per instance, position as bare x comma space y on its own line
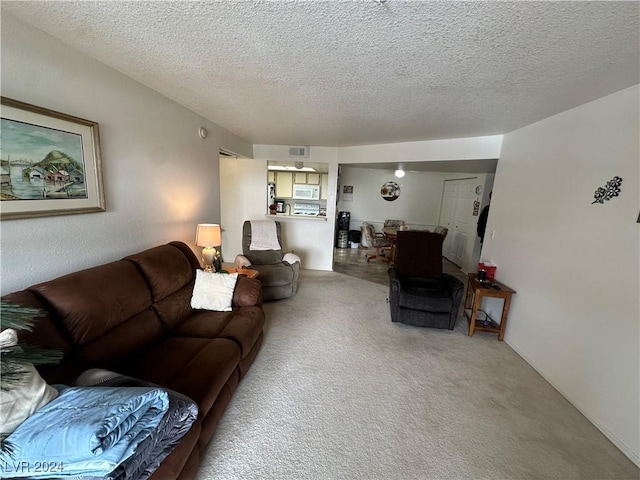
354, 238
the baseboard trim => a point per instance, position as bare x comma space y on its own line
620, 445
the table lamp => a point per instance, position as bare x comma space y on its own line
208, 236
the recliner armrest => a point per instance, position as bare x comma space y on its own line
291, 258
247, 292
242, 262
453, 283
394, 278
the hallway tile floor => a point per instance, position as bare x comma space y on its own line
353, 262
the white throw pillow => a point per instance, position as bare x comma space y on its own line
213, 291
20, 401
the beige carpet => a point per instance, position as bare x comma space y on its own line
339, 392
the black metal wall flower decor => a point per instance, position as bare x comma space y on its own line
611, 189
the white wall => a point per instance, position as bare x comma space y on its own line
453, 149
472, 148
311, 240
418, 204
243, 196
160, 178
574, 265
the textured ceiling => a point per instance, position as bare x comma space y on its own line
340, 73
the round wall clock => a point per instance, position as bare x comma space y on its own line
390, 191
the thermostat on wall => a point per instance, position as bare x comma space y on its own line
479, 190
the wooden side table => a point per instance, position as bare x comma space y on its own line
242, 271
478, 319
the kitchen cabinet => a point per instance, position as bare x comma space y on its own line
284, 185
300, 177
324, 186
271, 176
313, 178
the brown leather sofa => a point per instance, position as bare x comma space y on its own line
133, 316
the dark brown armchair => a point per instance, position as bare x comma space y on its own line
419, 293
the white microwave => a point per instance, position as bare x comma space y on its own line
306, 192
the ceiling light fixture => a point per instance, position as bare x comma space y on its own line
399, 173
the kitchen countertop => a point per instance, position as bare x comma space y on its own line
287, 216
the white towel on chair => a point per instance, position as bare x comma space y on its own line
264, 235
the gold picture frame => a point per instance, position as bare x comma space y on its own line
50, 163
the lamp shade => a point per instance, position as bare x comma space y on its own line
208, 235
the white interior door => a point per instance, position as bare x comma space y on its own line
457, 215
447, 216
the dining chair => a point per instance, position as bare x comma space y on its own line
394, 223
375, 240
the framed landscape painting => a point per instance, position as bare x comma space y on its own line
50, 163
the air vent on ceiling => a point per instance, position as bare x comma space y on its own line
299, 152
226, 154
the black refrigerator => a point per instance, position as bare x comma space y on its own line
342, 229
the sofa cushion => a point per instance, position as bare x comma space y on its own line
243, 326
425, 294
275, 275
165, 268
121, 342
195, 367
47, 333
203, 324
91, 302
264, 257
176, 308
